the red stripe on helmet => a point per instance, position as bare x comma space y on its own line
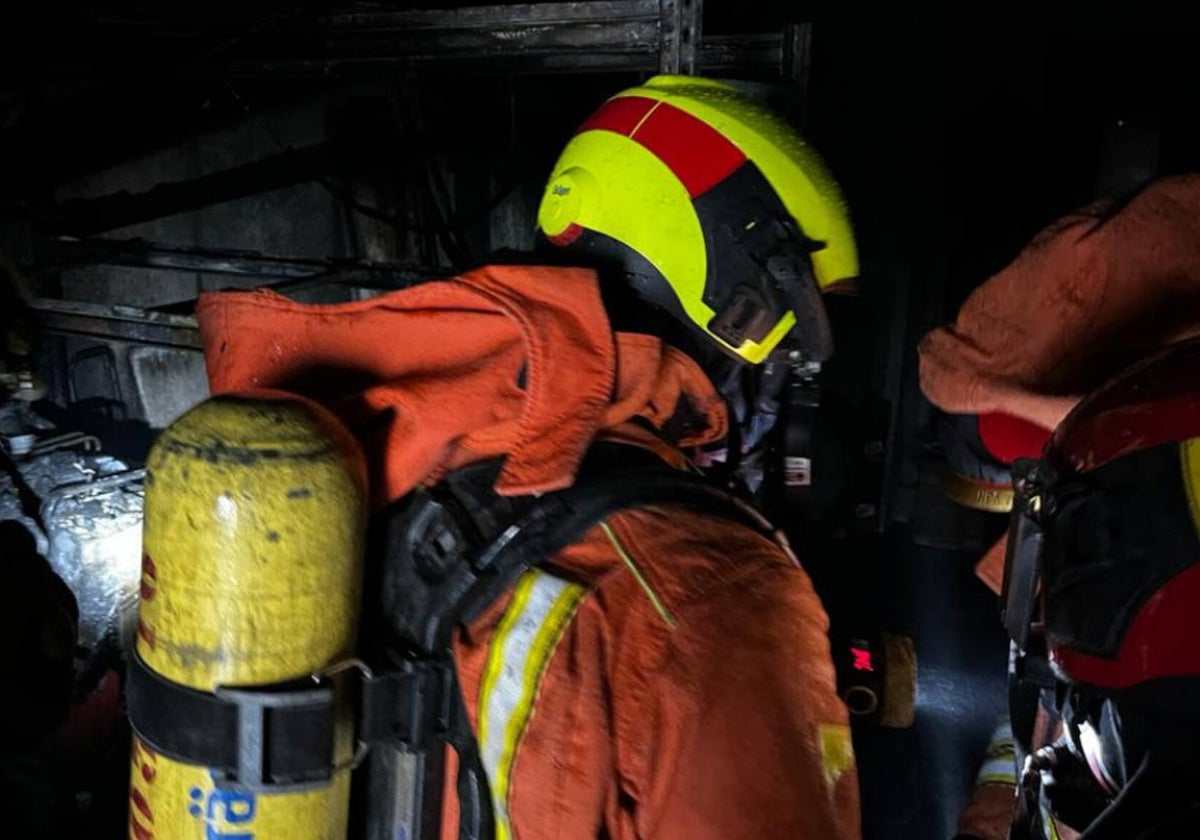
699, 155
568, 236
1161, 641
621, 115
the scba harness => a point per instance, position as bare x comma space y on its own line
438, 558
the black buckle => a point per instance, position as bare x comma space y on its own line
258, 711
275, 738
409, 707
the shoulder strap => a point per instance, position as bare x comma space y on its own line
450, 552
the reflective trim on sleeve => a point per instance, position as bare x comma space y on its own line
1000, 763
1049, 825
529, 632
837, 752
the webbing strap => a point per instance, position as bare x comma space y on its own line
427, 594
275, 737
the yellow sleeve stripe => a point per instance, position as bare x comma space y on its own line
495, 651
1189, 452
542, 608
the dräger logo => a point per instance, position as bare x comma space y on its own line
227, 814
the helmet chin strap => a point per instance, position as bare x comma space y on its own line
792, 270
786, 261
789, 380
812, 335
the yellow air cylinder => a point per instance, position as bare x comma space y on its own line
255, 514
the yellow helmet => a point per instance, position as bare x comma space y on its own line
713, 207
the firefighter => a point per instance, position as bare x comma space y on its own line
725, 226
1100, 591
665, 672
1095, 291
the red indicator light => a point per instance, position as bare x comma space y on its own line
862, 660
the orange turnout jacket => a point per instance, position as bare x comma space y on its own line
667, 677
1096, 291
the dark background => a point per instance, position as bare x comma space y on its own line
955, 140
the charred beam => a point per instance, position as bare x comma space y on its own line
289, 272
136, 253
120, 323
85, 217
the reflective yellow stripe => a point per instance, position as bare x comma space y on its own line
1001, 768
659, 607
1049, 826
1004, 778
542, 607
1000, 763
837, 752
520, 598
1189, 455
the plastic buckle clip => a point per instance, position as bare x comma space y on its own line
1033, 505
408, 707
255, 709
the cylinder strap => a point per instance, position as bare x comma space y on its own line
274, 738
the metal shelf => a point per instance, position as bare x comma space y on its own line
593, 35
